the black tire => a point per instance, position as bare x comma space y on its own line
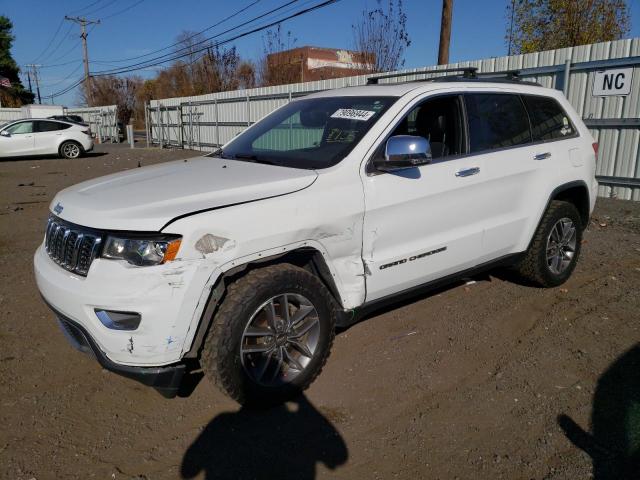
534, 267
221, 355
71, 150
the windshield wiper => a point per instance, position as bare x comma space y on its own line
216, 153
245, 156
252, 158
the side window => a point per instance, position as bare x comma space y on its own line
548, 119
44, 126
496, 121
22, 127
439, 121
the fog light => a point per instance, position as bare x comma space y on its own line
118, 320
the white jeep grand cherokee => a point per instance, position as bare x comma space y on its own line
243, 262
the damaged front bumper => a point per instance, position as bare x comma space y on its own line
166, 380
168, 299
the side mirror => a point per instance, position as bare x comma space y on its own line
404, 151
4, 133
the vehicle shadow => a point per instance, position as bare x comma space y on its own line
409, 298
278, 443
614, 441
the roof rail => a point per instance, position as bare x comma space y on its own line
467, 72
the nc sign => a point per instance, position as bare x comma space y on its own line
615, 81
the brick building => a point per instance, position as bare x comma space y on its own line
305, 64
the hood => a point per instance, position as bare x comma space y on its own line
147, 198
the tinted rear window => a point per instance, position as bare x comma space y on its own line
496, 121
51, 126
548, 120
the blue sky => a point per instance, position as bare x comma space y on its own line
478, 30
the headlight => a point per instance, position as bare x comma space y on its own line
142, 251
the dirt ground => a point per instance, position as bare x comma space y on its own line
483, 380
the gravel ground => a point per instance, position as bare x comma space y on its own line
485, 379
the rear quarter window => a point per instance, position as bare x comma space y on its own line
548, 120
45, 126
496, 121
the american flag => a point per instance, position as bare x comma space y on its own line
4, 82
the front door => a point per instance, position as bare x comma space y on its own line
426, 222
18, 141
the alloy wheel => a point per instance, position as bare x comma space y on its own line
71, 150
280, 339
561, 245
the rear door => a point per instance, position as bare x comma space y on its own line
18, 141
500, 137
48, 135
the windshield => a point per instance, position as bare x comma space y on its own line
311, 133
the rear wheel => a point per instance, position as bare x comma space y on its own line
271, 335
555, 247
70, 150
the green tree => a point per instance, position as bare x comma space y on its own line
536, 25
15, 95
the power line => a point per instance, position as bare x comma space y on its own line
190, 37
86, 7
65, 36
61, 64
73, 72
178, 53
50, 41
123, 10
228, 40
108, 4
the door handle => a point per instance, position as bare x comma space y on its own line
542, 156
467, 172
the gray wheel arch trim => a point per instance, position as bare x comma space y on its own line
314, 259
553, 195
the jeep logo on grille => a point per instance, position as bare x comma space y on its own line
58, 208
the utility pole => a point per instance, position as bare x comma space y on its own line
29, 78
34, 72
445, 32
83, 22
513, 8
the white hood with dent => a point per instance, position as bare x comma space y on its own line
145, 199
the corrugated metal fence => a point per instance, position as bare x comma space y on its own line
207, 121
102, 120
9, 114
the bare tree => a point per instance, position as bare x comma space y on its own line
382, 36
279, 65
189, 43
246, 74
536, 25
112, 90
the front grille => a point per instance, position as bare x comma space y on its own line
71, 246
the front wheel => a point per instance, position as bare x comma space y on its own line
271, 335
70, 150
555, 247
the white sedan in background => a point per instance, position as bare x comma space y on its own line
35, 136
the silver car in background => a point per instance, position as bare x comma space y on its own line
36, 136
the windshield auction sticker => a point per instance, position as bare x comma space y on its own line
353, 114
